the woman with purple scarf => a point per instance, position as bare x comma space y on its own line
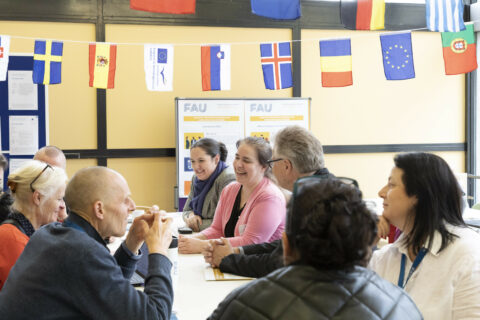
211, 176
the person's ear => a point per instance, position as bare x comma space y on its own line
216, 159
99, 209
36, 197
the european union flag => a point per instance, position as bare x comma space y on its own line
47, 62
276, 65
162, 55
397, 56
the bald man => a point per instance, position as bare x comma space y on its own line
67, 272
51, 155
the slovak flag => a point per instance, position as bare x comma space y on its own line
216, 67
276, 65
4, 53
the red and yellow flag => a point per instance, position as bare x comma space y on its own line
102, 63
362, 14
459, 51
164, 6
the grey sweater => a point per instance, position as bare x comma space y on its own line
211, 200
68, 273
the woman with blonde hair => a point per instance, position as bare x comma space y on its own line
37, 189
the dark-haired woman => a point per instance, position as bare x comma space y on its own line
437, 258
207, 157
326, 244
250, 210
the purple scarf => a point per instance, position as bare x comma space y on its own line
201, 188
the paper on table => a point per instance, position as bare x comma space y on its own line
214, 274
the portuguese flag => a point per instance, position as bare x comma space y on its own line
362, 14
459, 51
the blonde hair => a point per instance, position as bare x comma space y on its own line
46, 180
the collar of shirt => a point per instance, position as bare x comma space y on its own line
436, 243
86, 227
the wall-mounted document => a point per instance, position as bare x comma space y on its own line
23, 135
22, 92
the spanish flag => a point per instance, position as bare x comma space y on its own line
459, 51
363, 14
102, 62
336, 63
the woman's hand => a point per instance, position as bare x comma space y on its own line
191, 245
383, 228
194, 222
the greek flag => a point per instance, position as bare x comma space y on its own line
444, 15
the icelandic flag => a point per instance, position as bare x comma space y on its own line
158, 59
277, 9
444, 15
4, 53
47, 62
276, 65
216, 67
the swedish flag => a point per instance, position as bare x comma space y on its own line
47, 62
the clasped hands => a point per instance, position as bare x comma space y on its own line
216, 250
152, 228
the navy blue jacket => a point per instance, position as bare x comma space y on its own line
68, 272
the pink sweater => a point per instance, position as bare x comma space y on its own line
262, 219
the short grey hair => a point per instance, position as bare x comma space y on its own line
301, 147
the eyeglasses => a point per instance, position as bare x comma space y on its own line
273, 160
38, 176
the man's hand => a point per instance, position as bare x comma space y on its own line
159, 235
191, 245
194, 222
138, 231
216, 250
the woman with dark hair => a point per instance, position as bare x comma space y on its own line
437, 258
326, 244
207, 157
250, 210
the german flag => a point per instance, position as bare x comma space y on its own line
362, 14
459, 51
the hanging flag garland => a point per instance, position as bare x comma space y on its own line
397, 56
102, 64
158, 62
277, 9
362, 14
336, 63
444, 15
215, 67
276, 61
164, 6
47, 62
459, 51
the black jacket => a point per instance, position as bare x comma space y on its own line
259, 260
302, 292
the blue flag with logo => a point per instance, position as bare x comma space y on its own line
277, 9
276, 65
397, 56
47, 62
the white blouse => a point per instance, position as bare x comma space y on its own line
445, 285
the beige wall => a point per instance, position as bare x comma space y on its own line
427, 109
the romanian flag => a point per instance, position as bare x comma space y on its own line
102, 63
363, 14
459, 51
164, 6
336, 63
47, 62
216, 67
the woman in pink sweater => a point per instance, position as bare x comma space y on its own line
250, 210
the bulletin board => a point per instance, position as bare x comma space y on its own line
23, 113
228, 120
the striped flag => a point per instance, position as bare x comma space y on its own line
459, 51
336, 63
4, 54
215, 67
362, 14
276, 61
47, 62
164, 6
444, 15
102, 63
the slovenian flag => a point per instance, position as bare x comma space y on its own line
216, 67
336, 63
47, 62
102, 64
276, 61
4, 53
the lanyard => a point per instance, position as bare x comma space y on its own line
421, 254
